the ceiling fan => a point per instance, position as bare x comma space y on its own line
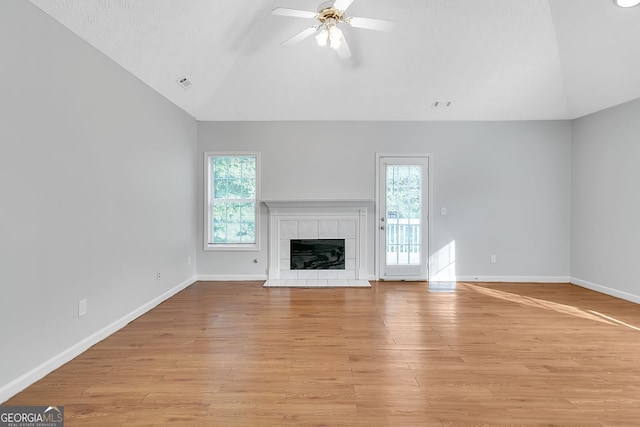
330, 15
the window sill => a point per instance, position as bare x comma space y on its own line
231, 247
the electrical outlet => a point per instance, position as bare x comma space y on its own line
494, 259
82, 307
189, 261
158, 275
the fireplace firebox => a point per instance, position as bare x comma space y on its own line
317, 254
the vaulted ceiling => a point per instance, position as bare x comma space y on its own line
493, 59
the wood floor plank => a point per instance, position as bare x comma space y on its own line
237, 354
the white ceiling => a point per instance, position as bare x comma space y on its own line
495, 59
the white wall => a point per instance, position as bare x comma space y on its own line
506, 186
606, 201
97, 193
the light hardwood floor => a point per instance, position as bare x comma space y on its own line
394, 354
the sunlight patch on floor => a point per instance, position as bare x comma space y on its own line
544, 304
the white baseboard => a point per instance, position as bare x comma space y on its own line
231, 277
242, 277
516, 279
606, 290
25, 380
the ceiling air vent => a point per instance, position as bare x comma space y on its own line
441, 104
184, 83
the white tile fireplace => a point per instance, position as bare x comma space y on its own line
318, 219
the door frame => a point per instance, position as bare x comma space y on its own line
378, 258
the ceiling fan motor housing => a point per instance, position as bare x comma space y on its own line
330, 16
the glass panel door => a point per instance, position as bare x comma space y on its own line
403, 202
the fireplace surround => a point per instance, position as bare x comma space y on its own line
317, 219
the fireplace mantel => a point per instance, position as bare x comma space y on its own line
318, 218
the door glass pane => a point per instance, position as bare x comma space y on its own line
403, 214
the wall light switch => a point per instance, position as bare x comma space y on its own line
494, 259
443, 211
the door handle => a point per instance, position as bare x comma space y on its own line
382, 227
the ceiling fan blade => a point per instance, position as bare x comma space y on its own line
370, 24
342, 4
283, 11
300, 36
343, 51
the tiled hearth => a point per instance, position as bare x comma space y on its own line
329, 283
317, 219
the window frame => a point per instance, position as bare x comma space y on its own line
207, 203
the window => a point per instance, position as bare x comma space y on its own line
231, 200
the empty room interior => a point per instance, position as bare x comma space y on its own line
299, 213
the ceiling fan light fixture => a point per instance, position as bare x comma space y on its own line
626, 3
335, 37
322, 37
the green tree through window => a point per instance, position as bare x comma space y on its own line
232, 199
